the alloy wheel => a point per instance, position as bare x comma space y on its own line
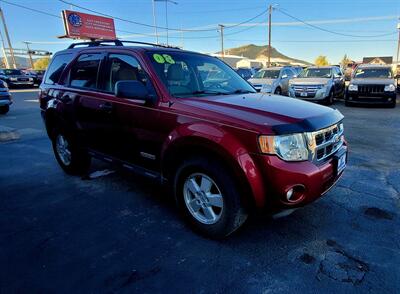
63, 151
203, 198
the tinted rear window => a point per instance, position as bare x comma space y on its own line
56, 68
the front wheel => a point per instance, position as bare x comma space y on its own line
329, 99
72, 159
4, 109
278, 91
208, 197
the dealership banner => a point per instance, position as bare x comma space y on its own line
80, 25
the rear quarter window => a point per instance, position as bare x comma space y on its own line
56, 68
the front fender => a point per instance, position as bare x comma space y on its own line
219, 141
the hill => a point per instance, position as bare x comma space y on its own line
252, 51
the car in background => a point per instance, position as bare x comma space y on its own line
245, 73
273, 80
318, 84
372, 84
15, 78
297, 69
37, 75
5, 98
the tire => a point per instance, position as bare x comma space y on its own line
193, 179
347, 103
73, 160
278, 91
4, 109
393, 104
329, 99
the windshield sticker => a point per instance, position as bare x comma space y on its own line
163, 58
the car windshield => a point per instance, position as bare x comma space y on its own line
267, 74
13, 72
377, 73
187, 74
316, 73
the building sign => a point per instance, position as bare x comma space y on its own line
80, 25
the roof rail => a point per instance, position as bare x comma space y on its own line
116, 42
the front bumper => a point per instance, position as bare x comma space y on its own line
318, 95
371, 98
5, 100
312, 180
20, 83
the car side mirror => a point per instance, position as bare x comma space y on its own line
284, 76
131, 90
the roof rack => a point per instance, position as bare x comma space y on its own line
116, 42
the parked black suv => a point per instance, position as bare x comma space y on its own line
372, 84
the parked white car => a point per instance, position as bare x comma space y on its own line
273, 80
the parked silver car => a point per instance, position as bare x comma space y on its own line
318, 84
273, 80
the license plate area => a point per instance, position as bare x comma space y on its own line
340, 159
303, 94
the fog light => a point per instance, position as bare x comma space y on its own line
289, 194
390, 99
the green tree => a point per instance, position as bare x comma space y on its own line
41, 63
321, 61
345, 61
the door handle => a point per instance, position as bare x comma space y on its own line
107, 107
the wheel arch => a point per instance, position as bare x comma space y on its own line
235, 158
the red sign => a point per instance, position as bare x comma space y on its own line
80, 25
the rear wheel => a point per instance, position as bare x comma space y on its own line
72, 159
4, 109
208, 197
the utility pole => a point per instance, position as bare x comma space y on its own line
8, 39
221, 30
269, 34
29, 53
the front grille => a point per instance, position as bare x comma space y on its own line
325, 142
371, 89
306, 88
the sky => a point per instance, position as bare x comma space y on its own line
370, 26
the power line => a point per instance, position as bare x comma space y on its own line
246, 21
329, 31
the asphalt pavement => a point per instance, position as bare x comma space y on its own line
113, 231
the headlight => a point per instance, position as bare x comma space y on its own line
353, 87
30, 79
13, 79
287, 147
390, 88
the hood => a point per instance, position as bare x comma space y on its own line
309, 81
265, 113
262, 81
372, 81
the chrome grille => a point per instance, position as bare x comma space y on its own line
325, 142
306, 88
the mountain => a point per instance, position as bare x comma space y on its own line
252, 51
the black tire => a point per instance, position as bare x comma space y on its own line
4, 109
278, 91
348, 103
329, 99
392, 104
79, 163
232, 215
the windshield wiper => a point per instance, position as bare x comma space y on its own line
211, 92
241, 91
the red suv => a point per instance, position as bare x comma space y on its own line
163, 112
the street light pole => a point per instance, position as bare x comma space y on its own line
398, 45
269, 34
221, 30
155, 22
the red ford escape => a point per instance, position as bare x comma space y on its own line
190, 121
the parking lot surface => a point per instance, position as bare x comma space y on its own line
113, 231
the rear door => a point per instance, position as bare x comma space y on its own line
93, 111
